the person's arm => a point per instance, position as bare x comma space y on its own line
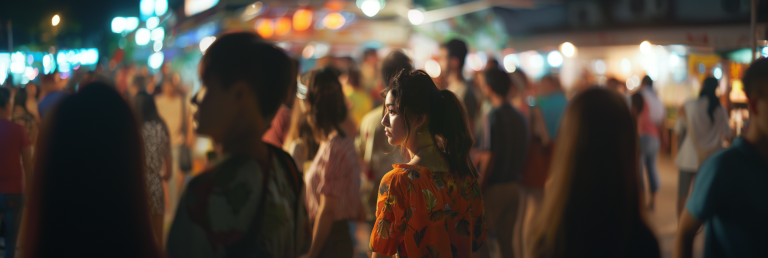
540, 128
323, 223
26, 160
686, 232
168, 165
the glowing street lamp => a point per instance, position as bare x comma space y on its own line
56, 19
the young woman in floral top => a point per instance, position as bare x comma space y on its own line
432, 206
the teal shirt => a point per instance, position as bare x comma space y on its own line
731, 195
552, 107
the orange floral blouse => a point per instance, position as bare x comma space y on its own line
425, 214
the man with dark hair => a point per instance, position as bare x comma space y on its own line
251, 203
369, 69
729, 194
451, 59
504, 146
372, 146
651, 130
15, 171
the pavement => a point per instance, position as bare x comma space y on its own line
663, 220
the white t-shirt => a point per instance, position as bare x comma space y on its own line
708, 133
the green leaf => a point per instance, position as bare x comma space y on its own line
478, 227
437, 215
413, 174
391, 200
409, 212
429, 198
384, 188
403, 227
476, 192
410, 187
462, 228
418, 236
464, 191
383, 229
439, 182
433, 251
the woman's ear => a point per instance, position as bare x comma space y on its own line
418, 122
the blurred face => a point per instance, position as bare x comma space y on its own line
216, 112
444, 61
394, 125
759, 113
168, 88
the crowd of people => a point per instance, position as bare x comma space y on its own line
376, 159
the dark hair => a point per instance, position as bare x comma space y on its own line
638, 102
596, 166
708, 91
498, 81
90, 151
5, 96
140, 82
353, 77
756, 79
395, 62
246, 57
327, 106
415, 93
458, 49
369, 52
145, 107
20, 99
647, 81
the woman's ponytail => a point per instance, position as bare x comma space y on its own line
453, 127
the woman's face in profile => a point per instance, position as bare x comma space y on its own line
394, 126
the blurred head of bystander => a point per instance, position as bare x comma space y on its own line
245, 80
497, 82
452, 56
394, 63
326, 108
89, 184
592, 199
756, 88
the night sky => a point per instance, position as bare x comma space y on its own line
79, 18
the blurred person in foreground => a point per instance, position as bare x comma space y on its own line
88, 188
51, 93
251, 203
504, 145
729, 194
300, 140
592, 201
176, 112
23, 117
32, 92
15, 172
359, 101
705, 122
432, 205
333, 179
157, 152
650, 127
281, 124
452, 56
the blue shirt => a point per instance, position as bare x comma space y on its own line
552, 107
731, 196
50, 101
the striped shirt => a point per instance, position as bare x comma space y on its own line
335, 172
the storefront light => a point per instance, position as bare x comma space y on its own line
158, 34
147, 7
152, 22
555, 59
118, 24
161, 6
568, 49
645, 47
206, 42
302, 19
158, 45
415, 16
142, 36
265, 28
626, 66
674, 59
717, 72
370, 7
308, 52
334, 21
282, 26
131, 23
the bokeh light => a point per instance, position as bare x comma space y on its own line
55, 20
161, 6
282, 26
370, 7
626, 66
158, 34
206, 42
118, 24
415, 16
568, 49
131, 23
334, 21
555, 59
142, 36
152, 22
302, 19
432, 68
265, 28
645, 47
717, 72
510, 63
308, 52
155, 60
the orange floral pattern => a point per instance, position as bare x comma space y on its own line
425, 214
